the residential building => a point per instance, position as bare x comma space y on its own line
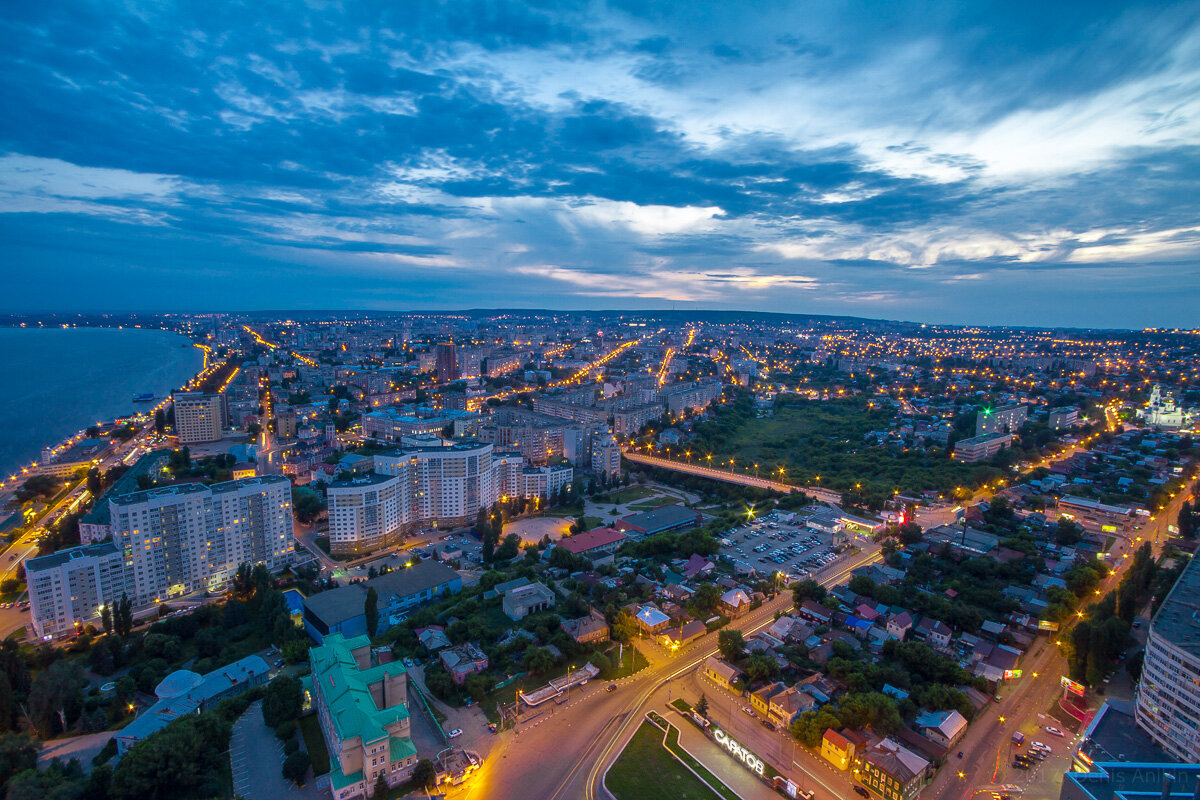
1063, 418
628, 421
362, 709
945, 728
286, 424
522, 601
683, 397
980, 447
1002, 419
735, 602
651, 619
760, 699
591, 628
892, 771
446, 362
789, 704
367, 512
899, 625
1168, 698
68, 589
199, 416
606, 456
721, 672
463, 661
837, 749
546, 481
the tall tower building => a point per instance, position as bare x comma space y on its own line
199, 416
446, 362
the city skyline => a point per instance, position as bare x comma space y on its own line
947, 166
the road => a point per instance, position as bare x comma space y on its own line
727, 476
587, 734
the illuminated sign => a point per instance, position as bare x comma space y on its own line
1047, 625
752, 762
1072, 686
1012, 673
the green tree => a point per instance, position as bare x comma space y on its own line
1186, 521
702, 705
18, 752
381, 784
371, 610
295, 767
184, 761
623, 627
424, 773
160, 421
56, 696
282, 700
731, 644
706, 597
808, 589
539, 660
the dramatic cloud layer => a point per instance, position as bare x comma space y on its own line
969, 163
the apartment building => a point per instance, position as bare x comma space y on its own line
1002, 419
199, 416
67, 589
367, 512
978, 448
606, 456
393, 424
684, 397
631, 420
576, 412
538, 437
1168, 698
362, 708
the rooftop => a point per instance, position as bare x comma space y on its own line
588, 540
346, 689
53, 560
1178, 620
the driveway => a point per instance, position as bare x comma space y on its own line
83, 747
256, 758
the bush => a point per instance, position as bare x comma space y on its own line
286, 730
290, 746
295, 767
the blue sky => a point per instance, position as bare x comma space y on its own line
1024, 163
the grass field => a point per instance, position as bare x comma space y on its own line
628, 495
314, 743
632, 661
652, 503
646, 771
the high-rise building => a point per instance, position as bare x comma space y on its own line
367, 512
1168, 698
286, 424
189, 537
446, 361
67, 589
199, 416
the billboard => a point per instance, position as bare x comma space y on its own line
1072, 686
1011, 673
1047, 625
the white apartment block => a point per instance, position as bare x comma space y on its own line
67, 589
198, 417
606, 456
1002, 419
190, 537
367, 512
1168, 698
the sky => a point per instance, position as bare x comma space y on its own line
985, 163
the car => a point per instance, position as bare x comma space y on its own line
492, 727
612, 687
454, 734
1053, 730
1020, 765
766, 724
278, 663
861, 791
408, 662
1040, 746
748, 710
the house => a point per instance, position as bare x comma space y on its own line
721, 672
837, 749
433, 637
898, 625
943, 727
651, 620
463, 660
814, 611
697, 565
939, 634
892, 771
597, 545
789, 704
735, 602
525, 600
591, 628
760, 699
678, 636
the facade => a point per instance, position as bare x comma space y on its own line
837, 749
629, 421
189, 537
978, 448
685, 397
1002, 419
1062, 418
1168, 698
721, 672
540, 438
67, 589
596, 544
591, 628
362, 707
199, 416
446, 362
891, 771
606, 456
367, 512
286, 423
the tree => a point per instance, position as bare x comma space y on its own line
56, 696
509, 548
807, 589
160, 421
381, 784
702, 705
184, 761
623, 627
371, 609
295, 767
539, 660
18, 752
1187, 526
760, 667
282, 700
424, 773
707, 596
106, 618
731, 644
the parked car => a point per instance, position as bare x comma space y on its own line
1054, 731
612, 687
861, 791
455, 733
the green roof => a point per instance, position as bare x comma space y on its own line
400, 747
346, 689
341, 781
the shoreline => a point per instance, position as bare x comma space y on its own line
27, 467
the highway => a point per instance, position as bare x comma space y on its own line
728, 476
562, 754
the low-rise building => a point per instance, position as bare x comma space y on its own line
658, 520
977, 448
892, 771
945, 728
463, 661
343, 610
522, 601
721, 672
592, 628
597, 544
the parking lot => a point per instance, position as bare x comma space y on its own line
775, 544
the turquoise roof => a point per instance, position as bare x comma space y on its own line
341, 781
401, 747
346, 689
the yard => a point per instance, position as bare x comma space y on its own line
646, 771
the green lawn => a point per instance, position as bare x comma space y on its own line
646, 771
653, 503
628, 495
314, 743
632, 661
